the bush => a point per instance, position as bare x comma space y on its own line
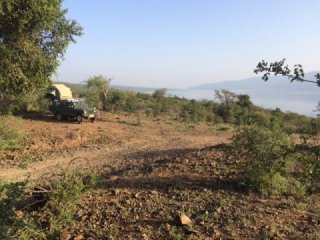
262, 118
61, 204
10, 138
116, 100
64, 197
10, 194
269, 184
264, 154
133, 103
308, 155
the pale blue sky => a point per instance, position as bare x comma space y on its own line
181, 43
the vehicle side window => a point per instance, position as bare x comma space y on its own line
70, 105
62, 104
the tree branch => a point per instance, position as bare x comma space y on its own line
279, 68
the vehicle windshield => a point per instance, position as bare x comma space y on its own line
80, 104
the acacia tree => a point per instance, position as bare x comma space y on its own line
159, 96
34, 36
244, 101
100, 85
225, 96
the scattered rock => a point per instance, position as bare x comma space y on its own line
216, 232
114, 178
145, 237
80, 213
168, 227
65, 235
79, 237
19, 214
137, 195
218, 210
182, 219
115, 192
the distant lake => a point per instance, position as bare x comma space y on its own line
299, 102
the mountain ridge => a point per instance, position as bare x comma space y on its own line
256, 83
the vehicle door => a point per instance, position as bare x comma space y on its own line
70, 110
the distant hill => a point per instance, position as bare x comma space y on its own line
278, 91
275, 83
79, 87
134, 89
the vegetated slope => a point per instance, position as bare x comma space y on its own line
150, 174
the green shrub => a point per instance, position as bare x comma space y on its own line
262, 118
116, 100
60, 208
267, 183
211, 117
64, 196
308, 155
10, 195
264, 153
133, 103
10, 137
273, 184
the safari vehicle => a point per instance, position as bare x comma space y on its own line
72, 109
64, 106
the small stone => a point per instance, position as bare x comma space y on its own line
145, 237
216, 232
136, 195
114, 178
168, 227
79, 237
65, 235
80, 213
183, 219
115, 192
19, 214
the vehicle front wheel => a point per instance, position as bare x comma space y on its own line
92, 120
58, 116
79, 118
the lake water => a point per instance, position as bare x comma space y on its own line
300, 102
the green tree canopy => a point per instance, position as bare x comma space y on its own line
34, 36
159, 93
244, 100
100, 86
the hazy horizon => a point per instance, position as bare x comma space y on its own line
175, 43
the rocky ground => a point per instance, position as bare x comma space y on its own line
158, 180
